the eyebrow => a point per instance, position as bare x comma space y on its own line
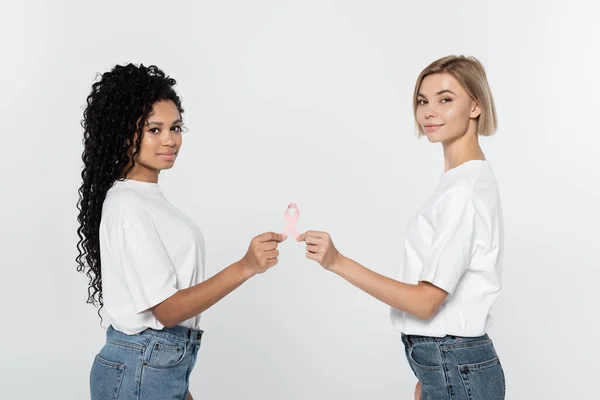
438, 93
161, 124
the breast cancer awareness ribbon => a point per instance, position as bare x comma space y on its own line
291, 217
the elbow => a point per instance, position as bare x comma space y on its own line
427, 311
169, 323
168, 312
429, 300
166, 321
423, 315
166, 318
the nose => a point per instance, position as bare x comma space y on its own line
429, 112
167, 139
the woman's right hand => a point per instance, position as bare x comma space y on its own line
262, 253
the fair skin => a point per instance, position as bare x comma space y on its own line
448, 116
418, 391
159, 149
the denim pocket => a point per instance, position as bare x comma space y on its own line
165, 355
484, 380
426, 362
425, 356
105, 379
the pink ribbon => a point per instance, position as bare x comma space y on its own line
291, 217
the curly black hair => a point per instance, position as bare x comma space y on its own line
113, 120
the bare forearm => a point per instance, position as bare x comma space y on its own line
188, 303
420, 300
405, 297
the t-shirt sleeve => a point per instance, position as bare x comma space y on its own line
457, 229
147, 271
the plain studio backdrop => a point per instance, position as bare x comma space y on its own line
307, 102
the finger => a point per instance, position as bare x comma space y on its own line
315, 240
318, 234
313, 234
272, 254
313, 248
272, 263
301, 238
271, 236
312, 256
267, 246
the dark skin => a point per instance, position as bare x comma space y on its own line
159, 148
186, 303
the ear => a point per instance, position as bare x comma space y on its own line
475, 110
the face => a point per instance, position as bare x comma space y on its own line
161, 142
445, 111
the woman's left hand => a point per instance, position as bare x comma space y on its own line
319, 247
418, 389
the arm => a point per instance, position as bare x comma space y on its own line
422, 300
187, 303
458, 227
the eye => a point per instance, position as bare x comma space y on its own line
421, 102
154, 130
177, 128
446, 100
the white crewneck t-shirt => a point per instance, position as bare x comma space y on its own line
455, 242
149, 250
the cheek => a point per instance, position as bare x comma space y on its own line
420, 116
457, 116
148, 144
448, 114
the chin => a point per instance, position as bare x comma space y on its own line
165, 165
433, 138
442, 137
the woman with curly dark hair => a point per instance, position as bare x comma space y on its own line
144, 257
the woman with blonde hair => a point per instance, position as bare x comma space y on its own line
451, 274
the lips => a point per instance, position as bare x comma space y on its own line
432, 127
167, 156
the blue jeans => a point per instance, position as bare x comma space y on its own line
149, 365
456, 368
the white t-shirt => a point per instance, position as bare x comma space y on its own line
149, 250
456, 243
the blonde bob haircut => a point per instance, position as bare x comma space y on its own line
469, 72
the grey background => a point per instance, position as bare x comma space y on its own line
307, 102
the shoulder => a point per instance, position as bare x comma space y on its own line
454, 198
474, 182
124, 205
461, 200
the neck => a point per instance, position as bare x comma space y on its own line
142, 174
462, 149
